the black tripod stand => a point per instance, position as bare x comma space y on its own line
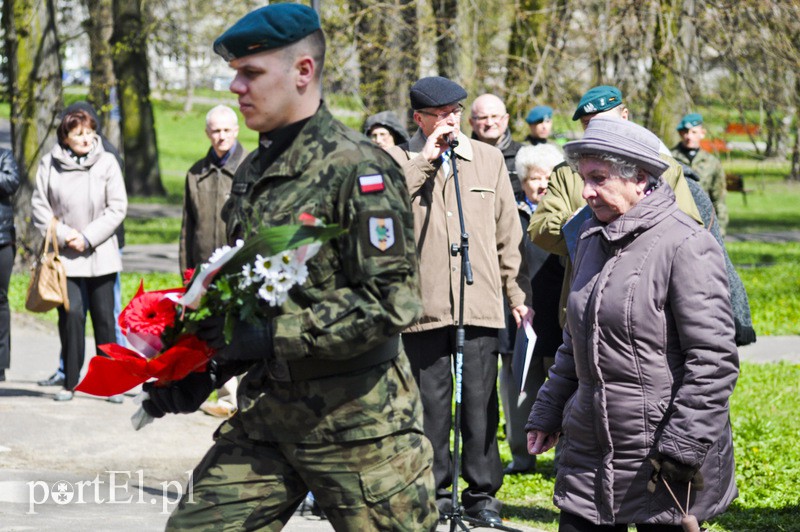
456, 515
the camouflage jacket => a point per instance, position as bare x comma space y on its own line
362, 288
712, 179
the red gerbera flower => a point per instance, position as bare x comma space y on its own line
149, 312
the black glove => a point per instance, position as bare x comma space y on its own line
674, 472
249, 343
212, 331
180, 397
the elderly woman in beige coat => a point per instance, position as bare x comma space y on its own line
640, 387
80, 185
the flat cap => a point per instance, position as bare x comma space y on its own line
621, 138
539, 114
598, 99
266, 28
689, 121
435, 91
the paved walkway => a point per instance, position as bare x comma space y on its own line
113, 478
80, 466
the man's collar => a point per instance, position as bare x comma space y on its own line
302, 150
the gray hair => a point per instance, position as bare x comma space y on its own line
222, 109
544, 156
624, 169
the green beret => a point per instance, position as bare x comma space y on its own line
266, 28
538, 114
598, 99
689, 121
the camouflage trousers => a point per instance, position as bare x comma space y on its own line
379, 484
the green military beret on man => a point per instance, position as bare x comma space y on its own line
689, 121
266, 28
540, 113
598, 99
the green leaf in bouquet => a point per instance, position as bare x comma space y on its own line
272, 240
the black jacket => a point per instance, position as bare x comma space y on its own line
9, 183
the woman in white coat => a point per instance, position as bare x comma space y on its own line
80, 185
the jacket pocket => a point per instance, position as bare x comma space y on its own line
484, 192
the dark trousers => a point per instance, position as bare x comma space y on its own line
95, 294
568, 522
432, 356
7, 253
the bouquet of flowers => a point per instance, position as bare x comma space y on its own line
242, 282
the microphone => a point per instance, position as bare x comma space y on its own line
452, 141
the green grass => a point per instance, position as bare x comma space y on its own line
772, 205
152, 231
764, 411
129, 285
771, 276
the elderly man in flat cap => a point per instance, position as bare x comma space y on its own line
563, 199
705, 165
329, 403
495, 239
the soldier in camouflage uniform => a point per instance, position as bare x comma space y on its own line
329, 403
705, 165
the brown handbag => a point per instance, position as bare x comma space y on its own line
48, 286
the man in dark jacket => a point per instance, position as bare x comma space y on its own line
540, 121
489, 122
208, 186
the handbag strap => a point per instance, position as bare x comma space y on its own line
49, 237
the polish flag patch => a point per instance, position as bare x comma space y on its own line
371, 183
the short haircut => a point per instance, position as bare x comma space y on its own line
72, 120
544, 156
222, 109
313, 45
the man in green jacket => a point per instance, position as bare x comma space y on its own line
329, 403
564, 192
704, 164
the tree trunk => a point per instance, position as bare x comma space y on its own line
445, 13
99, 26
794, 174
142, 177
662, 100
528, 38
405, 60
188, 45
373, 51
34, 70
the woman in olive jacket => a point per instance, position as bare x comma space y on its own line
80, 184
640, 387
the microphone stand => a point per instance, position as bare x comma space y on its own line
457, 516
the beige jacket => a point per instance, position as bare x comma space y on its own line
89, 197
495, 235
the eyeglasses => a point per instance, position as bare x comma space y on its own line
456, 111
487, 118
